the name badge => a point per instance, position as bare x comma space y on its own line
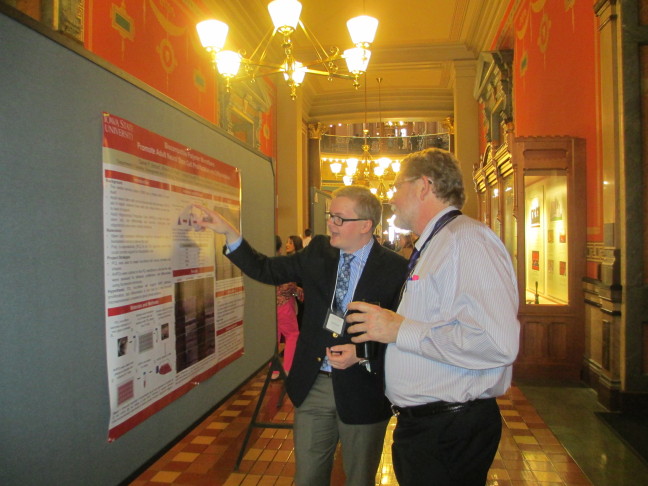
334, 323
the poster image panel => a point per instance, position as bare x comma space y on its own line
174, 309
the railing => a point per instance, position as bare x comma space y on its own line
337, 144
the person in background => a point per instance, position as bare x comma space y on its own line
455, 335
337, 396
405, 245
287, 327
294, 243
307, 236
414, 142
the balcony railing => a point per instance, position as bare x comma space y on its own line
344, 145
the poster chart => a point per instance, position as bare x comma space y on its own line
174, 303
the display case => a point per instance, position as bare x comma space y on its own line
551, 247
531, 192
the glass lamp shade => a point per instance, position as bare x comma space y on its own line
379, 171
336, 167
348, 180
349, 171
373, 190
298, 72
228, 63
362, 30
357, 59
395, 166
384, 162
212, 34
352, 163
285, 14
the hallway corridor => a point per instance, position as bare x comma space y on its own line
530, 452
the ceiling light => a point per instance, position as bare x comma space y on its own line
285, 18
362, 30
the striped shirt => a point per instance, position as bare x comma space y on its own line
357, 266
460, 335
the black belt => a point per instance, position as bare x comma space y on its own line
327, 373
434, 408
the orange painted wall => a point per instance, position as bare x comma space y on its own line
156, 42
555, 82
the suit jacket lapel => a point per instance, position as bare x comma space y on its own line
331, 272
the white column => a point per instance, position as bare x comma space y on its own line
466, 123
289, 166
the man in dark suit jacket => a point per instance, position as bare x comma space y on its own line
337, 395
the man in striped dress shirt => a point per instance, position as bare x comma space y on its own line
455, 335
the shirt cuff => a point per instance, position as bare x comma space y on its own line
234, 246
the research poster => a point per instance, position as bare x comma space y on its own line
174, 303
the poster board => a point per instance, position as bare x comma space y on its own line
54, 381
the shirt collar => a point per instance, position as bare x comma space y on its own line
363, 253
430, 226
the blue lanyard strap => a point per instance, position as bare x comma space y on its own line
440, 224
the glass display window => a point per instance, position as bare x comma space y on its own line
483, 208
546, 246
509, 216
496, 223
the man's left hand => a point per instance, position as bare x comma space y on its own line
376, 323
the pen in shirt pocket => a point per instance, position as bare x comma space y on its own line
413, 277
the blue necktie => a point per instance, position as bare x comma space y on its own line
342, 286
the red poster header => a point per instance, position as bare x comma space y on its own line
120, 134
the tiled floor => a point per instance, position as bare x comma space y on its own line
570, 411
529, 453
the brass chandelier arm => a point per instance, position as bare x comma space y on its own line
331, 74
272, 69
285, 17
264, 44
323, 56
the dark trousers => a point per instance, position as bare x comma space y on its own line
447, 449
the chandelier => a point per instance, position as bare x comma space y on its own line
367, 170
285, 18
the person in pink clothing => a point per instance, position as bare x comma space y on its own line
287, 326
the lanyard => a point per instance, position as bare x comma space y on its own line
445, 219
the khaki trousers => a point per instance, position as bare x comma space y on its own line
316, 432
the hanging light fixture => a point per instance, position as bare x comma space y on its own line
285, 18
367, 170
371, 168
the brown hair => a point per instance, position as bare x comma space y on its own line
442, 169
297, 242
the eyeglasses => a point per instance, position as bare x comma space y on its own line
398, 184
339, 220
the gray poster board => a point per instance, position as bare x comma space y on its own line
54, 406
